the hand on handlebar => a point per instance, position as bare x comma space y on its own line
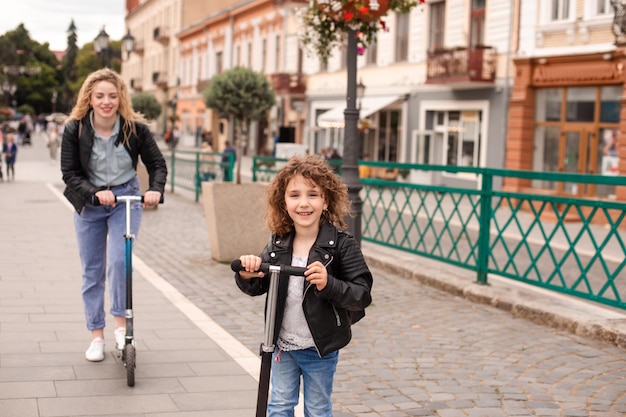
105, 198
151, 198
250, 265
317, 275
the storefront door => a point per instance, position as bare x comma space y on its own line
576, 146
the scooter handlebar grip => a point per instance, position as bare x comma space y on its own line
265, 268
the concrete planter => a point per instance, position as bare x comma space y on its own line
234, 215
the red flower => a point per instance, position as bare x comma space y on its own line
364, 10
383, 25
348, 16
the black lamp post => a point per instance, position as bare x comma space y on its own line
352, 145
53, 100
128, 43
103, 48
9, 88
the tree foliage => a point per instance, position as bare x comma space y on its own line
146, 104
19, 50
243, 95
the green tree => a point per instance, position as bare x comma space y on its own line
68, 67
146, 104
31, 66
243, 95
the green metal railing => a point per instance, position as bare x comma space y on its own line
567, 244
187, 169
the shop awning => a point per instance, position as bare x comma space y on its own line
369, 105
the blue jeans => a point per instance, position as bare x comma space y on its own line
100, 234
317, 378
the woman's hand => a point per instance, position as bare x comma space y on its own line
316, 274
250, 264
106, 198
151, 198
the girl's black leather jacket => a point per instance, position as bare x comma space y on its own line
75, 154
330, 312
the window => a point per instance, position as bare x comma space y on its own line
249, 65
263, 54
371, 54
402, 37
238, 56
219, 62
436, 25
559, 10
602, 7
277, 54
477, 23
461, 134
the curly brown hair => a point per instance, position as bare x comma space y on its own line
125, 109
314, 169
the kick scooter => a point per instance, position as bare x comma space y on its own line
128, 352
267, 347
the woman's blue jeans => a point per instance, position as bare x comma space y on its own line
100, 234
317, 379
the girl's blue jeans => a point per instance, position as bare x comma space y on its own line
317, 379
100, 234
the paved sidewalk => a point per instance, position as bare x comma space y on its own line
420, 351
186, 365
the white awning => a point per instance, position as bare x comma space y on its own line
369, 105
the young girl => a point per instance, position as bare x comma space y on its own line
307, 205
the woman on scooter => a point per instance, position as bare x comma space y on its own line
307, 205
102, 142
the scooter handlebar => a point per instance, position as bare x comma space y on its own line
265, 268
96, 201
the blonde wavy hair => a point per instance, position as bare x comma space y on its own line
125, 109
314, 169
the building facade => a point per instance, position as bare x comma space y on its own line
565, 110
436, 89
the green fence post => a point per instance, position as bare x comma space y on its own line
198, 177
486, 193
172, 174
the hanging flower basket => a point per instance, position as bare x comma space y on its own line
325, 23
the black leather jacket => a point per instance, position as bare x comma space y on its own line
75, 154
330, 312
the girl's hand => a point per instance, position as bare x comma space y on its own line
250, 264
316, 274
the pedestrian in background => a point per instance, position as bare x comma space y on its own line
102, 142
307, 205
228, 150
9, 148
53, 140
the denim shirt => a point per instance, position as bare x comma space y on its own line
109, 165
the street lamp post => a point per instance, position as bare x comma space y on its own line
53, 100
9, 88
103, 48
128, 43
352, 146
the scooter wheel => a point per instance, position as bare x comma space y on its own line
129, 363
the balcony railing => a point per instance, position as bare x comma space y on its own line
161, 34
461, 65
160, 79
284, 83
136, 84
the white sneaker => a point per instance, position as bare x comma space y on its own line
120, 338
95, 352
